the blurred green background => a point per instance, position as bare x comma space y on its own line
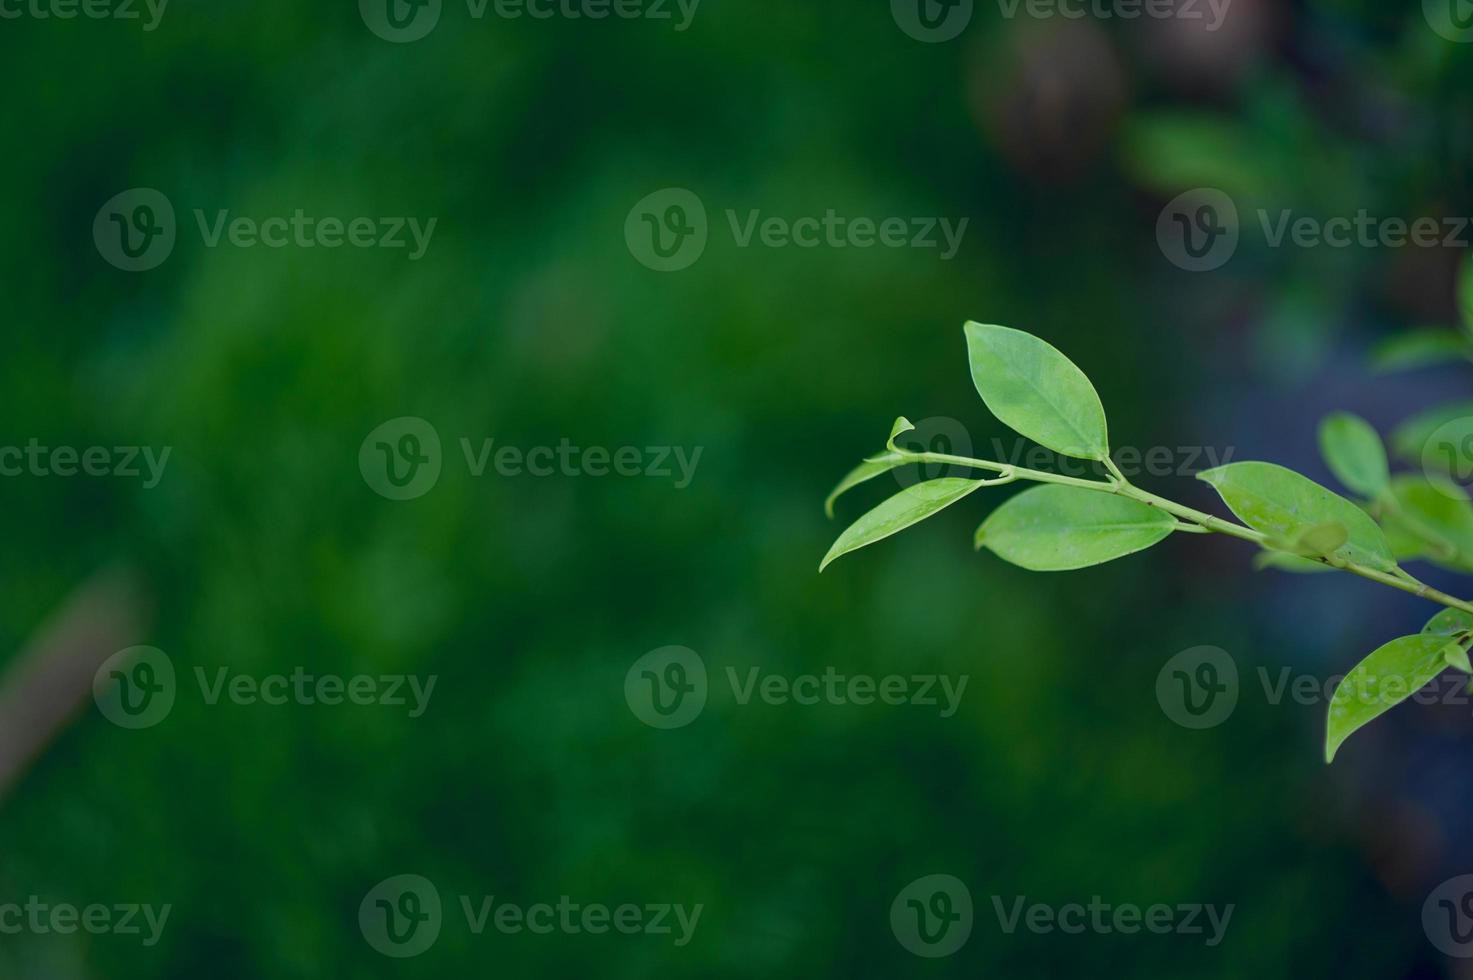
529, 321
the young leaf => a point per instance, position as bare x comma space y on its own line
865, 471
1391, 674
1286, 562
1033, 388
1457, 657
1055, 528
902, 425
1283, 504
1434, 521
1322, 539
1449, 622
1354, 453
1419, 348
1409, 438
909, 506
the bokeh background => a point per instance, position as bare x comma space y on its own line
529, 321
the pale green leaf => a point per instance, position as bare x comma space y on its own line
1450, 622
1322, 539
902, 425
1355, 453
909, 506
1409, 438
1033, 388
1428, 519
865, 471
1284, 504
1286, 562
1055, 528
1419, 348
1391, 674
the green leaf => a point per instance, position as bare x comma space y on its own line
1391, 674
1055, 528
865, 471
1457, 657
1430, 520
1284, 504
1411, 436
902, 425
1449, 622
1419, 348
1285, 562
1322, 539
1171, 150
1354, 453
909, 506
1029, 385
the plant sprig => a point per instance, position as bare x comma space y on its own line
1068, 522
